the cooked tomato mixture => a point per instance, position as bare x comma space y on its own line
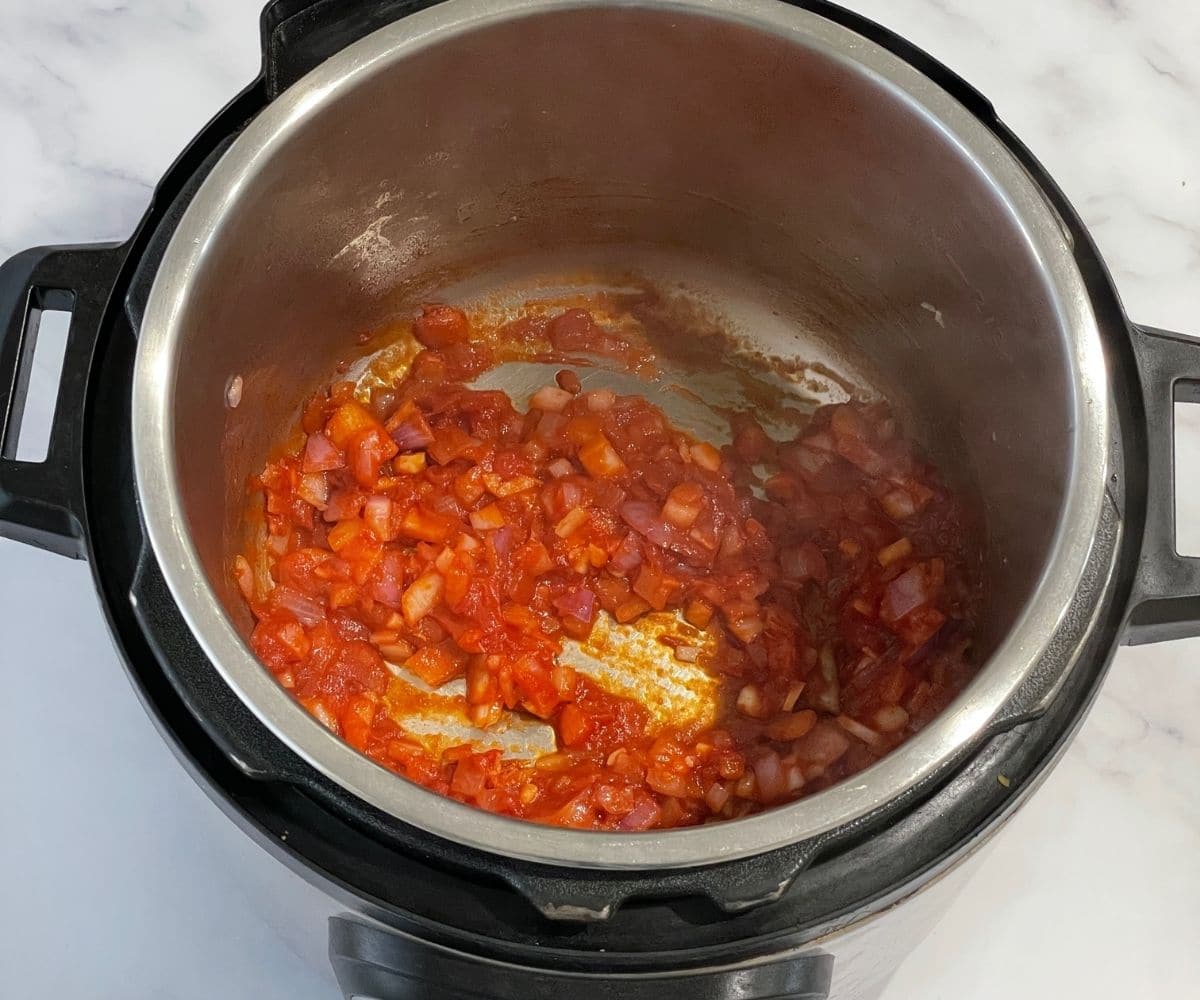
434, 530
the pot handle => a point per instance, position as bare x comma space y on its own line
1166, 594
376, 963
41, 503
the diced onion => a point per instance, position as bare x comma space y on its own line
898, 505
856, 728
769, 777
600, 400
322, 455
422, 596
792, 726
394, 652
750, 701
683, 505
828, 698
502, 540
716, 797
314, 489
560, 467
323, 714
744, 620
600, 458
793, 695
733, 543
409, 464
444, 560
698, 613
890, 719
487, 518
804, 562
645, 519
580, 604
897, 550
654, 586
550, 398
563, 679
500, 486
825, 744
409, 429
904, 594
244, 575
574, 520
794, 777
307, 610
643, 816
627, 557
377, 512
706, 456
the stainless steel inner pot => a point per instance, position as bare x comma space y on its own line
827, 199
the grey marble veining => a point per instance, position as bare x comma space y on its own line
114, 878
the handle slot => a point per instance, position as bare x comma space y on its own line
1187, 457
43, 350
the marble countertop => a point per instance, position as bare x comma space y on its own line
114, 883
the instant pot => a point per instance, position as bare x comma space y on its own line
839, 194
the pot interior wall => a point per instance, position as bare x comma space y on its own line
820, 193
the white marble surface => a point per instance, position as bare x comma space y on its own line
114, 867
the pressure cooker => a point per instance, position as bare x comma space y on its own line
839, 190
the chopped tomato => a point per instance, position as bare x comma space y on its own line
441, 326
347, 422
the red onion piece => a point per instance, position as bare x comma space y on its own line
644, 518
716, 797
579, 604
307, 610
642, 816
804, 562
344, 504
824, 744
412, 434
904, 594
627, 557
322, 455
502, 540
769, 777
314, 489
377, 512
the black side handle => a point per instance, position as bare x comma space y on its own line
41, 503
1166, 598
376, 963
299, 35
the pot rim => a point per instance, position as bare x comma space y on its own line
942, 740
